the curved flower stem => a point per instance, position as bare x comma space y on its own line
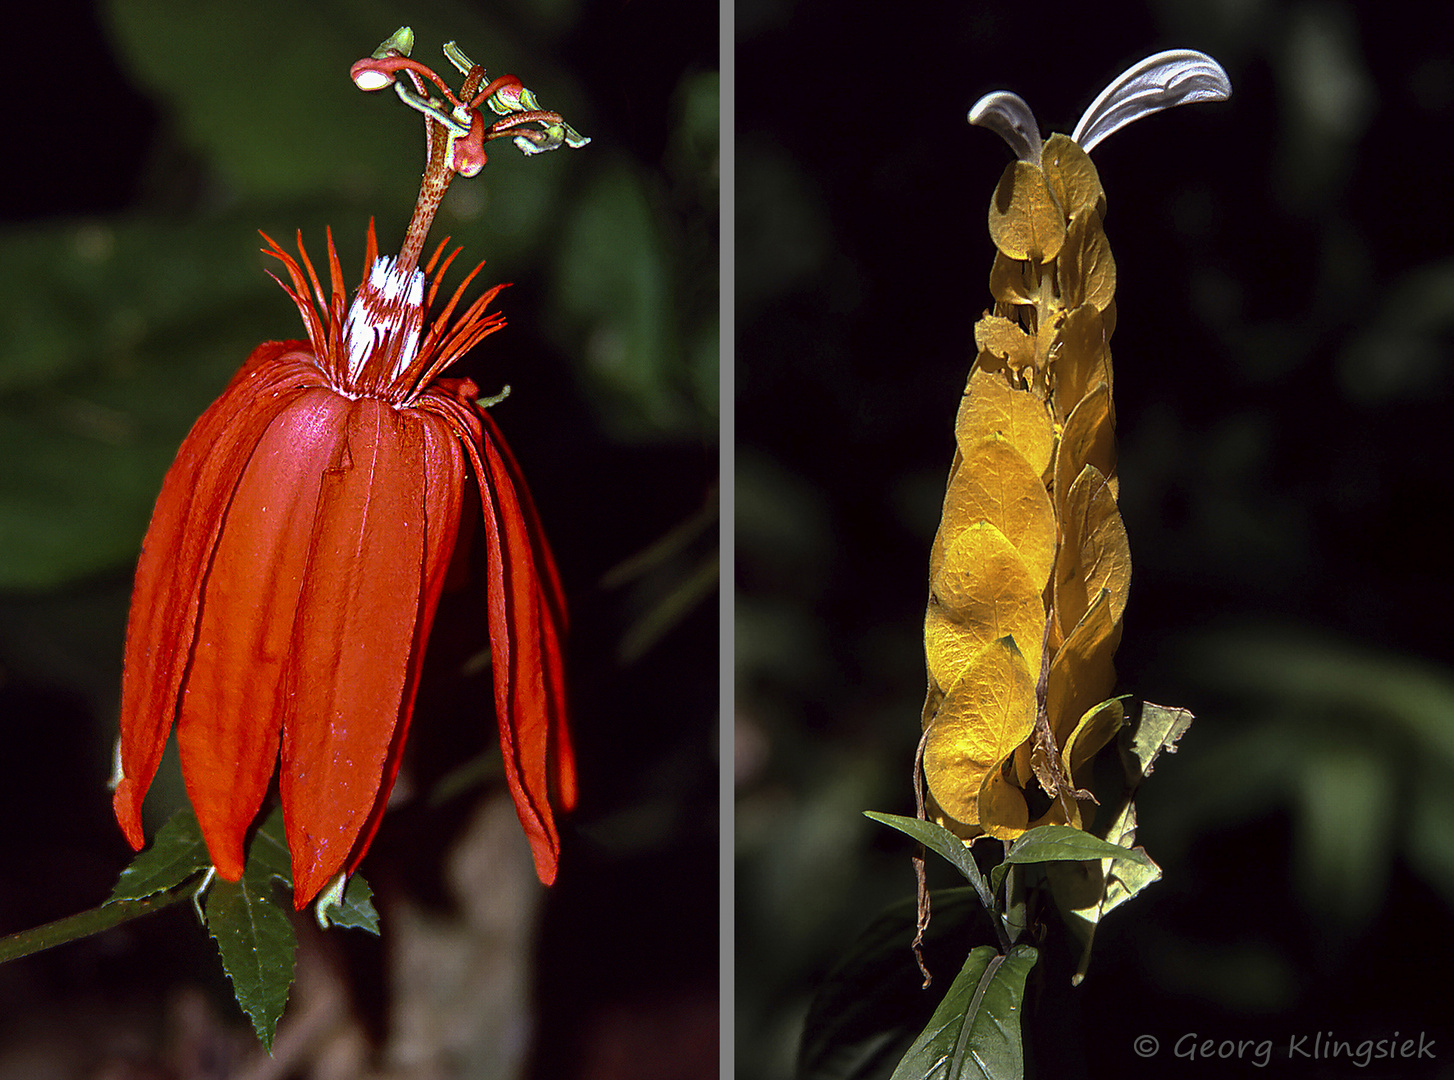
97, 919
437, 175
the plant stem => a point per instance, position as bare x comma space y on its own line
75, 927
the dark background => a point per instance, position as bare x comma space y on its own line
1283, 384
146, 145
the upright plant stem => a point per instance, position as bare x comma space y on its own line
75, 927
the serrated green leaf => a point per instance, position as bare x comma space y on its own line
356, 909
255, 937
177, 853
975, 1032
941, 841
866, 1013
1061, 843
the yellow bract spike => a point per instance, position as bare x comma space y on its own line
1031, 550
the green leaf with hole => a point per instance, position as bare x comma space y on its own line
975, 1032
1156, 729
1061, 843
177, 853
1087, 891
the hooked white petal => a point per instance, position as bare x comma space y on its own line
1174, 77
1008, 115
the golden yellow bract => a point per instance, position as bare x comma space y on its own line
996, 484
1025, 220
986, 714
983, 592
992, 407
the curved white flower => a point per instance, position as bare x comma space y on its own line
1160, 81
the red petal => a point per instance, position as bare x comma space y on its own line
527, 623
174, 559
235, 693
525, 642
553, 627
444, 476
358, 618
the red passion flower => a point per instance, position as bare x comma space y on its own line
296, 555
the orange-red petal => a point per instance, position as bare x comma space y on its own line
552, 625
443, 478
235, 694
526, 649
353, 639
175, 556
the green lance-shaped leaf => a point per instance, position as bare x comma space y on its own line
177, 853
943, 842
1061, 843
975, 1032
254, 935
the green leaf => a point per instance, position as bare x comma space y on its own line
940, 840
866, 1013
239, 97
268, 855
1061, 843
177, 853
116, 338
1155, 730
975, 1032
355, 911
1126, 877
255, 936
1085, 892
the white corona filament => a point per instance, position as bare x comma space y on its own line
387, 312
